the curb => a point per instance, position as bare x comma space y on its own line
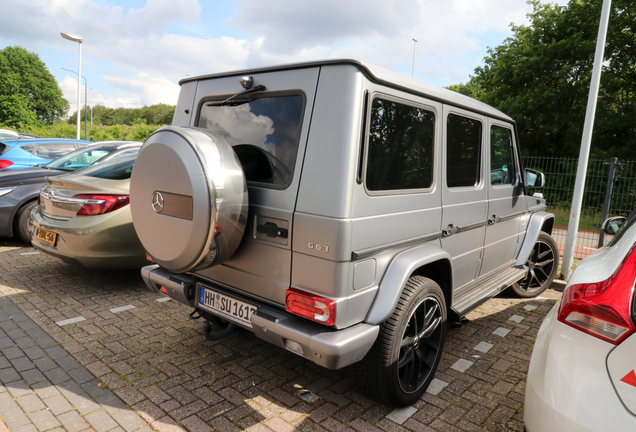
558, 285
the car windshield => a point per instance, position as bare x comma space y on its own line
79, 158
118, 168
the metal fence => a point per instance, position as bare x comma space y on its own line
610, 189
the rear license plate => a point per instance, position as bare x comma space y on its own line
225, 306
44, 235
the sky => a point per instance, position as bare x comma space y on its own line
135, 52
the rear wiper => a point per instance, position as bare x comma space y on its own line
225, 102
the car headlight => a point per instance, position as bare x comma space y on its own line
6, 190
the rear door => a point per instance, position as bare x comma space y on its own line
464, 193
270, 125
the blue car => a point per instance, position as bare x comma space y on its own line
21, 153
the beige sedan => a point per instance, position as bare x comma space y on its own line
84, 217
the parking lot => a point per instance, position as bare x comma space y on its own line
96, 350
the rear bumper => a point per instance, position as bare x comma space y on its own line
568, 388
104, 241
327, 347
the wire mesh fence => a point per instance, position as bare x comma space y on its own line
610, 190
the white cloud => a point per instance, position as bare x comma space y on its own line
146, 89
143, 41
128, 92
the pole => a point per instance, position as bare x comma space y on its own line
79, 40
413, 63
85, 102
613, 163
586, 141
79, 84
85, 109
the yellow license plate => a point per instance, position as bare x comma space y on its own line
44, 235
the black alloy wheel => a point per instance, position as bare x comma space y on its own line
421, 345
542, 265
402, 362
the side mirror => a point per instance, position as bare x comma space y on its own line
613, 225
533, 178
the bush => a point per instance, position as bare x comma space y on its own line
135, 132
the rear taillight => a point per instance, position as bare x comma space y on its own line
5, 163
101, 204
310, 306
603, 309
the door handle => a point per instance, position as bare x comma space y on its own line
450, 230
493, 220
270, 229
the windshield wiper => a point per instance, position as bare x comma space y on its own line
225, 102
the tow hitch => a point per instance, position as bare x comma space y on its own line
227, 327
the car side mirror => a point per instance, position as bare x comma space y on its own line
533, 178
613, 225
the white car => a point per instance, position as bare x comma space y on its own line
8, 134
582, 372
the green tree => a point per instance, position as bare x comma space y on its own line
28, 91
160, 114
540, 76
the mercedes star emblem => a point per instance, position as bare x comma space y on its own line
157, 202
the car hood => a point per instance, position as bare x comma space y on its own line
17, 177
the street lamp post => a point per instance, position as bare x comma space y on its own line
586, 142
79, 41
85, 103
113, 117
91, 110
413, 64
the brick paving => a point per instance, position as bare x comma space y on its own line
137, 364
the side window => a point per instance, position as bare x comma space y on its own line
53, 150
28, 148
401, 147
463, 151
502, 159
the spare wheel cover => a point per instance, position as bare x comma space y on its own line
188, 198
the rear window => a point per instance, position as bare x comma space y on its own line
263, 131
3, 148
118, 168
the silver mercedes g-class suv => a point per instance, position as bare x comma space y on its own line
340, 211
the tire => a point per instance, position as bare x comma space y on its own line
542, 267
188, 198
22, 222
402, 362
